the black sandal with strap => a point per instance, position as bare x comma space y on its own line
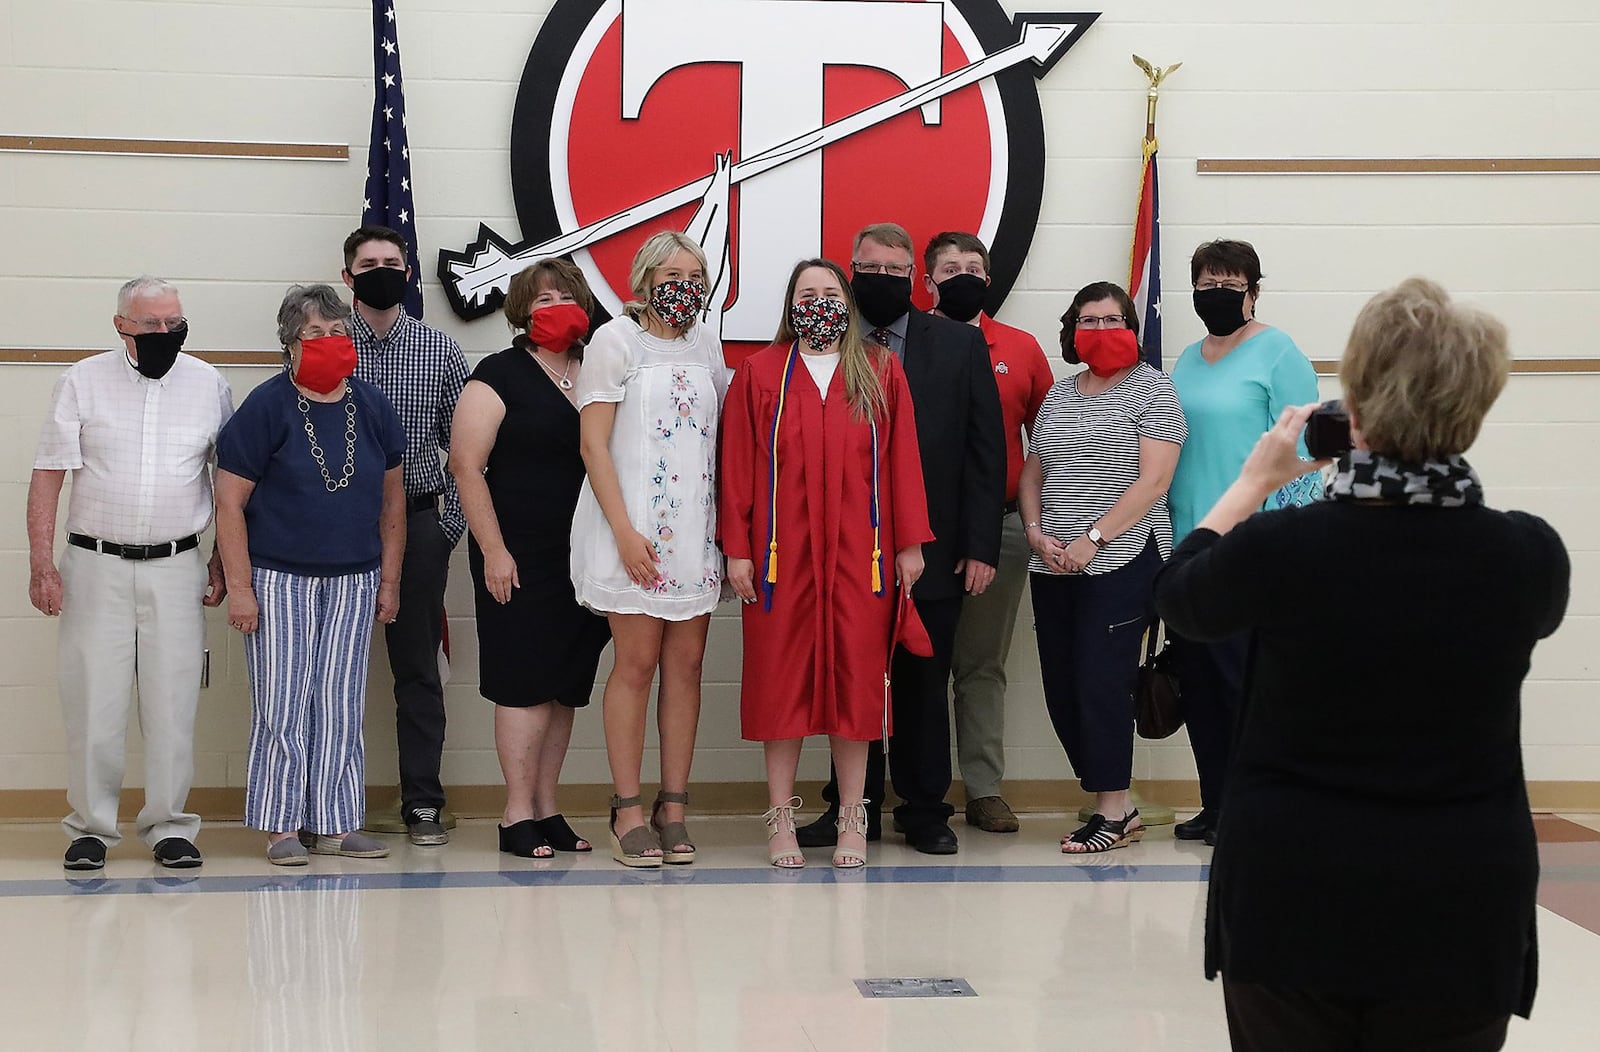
1103, 834
560, 835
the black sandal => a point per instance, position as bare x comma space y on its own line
561, 836
524, 840
1102, 834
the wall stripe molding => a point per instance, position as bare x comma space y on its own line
273, 151
1526, 366
66, 356
1398, 166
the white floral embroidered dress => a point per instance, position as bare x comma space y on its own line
664, 444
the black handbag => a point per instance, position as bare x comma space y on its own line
1157, 696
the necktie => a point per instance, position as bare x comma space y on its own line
880, 335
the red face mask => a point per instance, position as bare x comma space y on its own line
558, 326
325, 362
1105, 351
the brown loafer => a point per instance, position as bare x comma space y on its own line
991, 814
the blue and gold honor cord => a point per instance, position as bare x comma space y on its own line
769, 578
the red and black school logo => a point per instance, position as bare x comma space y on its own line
770, 130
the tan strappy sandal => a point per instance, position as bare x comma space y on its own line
672, 834
852, 819
780, 820
630, 848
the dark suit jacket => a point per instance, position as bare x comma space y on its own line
962, 438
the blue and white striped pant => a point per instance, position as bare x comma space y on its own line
307, 661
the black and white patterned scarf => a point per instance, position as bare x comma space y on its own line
1446, 483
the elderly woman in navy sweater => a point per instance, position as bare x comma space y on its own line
1373, 885
311, 527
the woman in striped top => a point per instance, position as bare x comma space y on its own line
1093, 498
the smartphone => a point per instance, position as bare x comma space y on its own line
1328, 432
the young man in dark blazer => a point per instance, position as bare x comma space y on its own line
962, 442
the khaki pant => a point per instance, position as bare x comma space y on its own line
127, 623
983, 642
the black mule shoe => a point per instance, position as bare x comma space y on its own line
524, 840
559, 835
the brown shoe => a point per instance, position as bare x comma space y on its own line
991, 814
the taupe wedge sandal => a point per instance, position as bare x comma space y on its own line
672, 833
630, 848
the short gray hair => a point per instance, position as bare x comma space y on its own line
139, 287
302, 301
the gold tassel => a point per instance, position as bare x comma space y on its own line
772, 563
877, 571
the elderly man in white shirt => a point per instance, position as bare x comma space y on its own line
137, 428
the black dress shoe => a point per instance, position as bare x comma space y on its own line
824, 832
1211, 837
1197, 827
86, 852
177, 853
936, 838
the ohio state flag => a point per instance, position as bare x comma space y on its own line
1144, 278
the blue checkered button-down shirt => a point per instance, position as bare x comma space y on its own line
422, 372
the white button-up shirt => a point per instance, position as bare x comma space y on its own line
140, 450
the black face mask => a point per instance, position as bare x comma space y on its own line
1222, 310
882, 298
157, 350
380, 288
961, 297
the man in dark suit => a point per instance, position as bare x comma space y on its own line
962, 441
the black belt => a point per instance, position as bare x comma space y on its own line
1011, 507
423, 502
135, 551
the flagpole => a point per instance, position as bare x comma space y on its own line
1144, 280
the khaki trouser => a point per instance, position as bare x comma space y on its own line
983, 642
126, 623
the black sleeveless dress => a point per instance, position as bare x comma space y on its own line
541, 646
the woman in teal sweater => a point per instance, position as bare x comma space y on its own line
1232, 384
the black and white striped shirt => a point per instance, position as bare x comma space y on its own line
422, 371
1088, 446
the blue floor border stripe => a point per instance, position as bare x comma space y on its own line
169, 884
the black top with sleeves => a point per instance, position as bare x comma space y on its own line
1377, 839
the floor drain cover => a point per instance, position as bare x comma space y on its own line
915, 987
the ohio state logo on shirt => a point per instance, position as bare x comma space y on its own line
769, 130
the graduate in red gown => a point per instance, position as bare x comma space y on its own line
823, 517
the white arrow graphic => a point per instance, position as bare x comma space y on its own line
491, 267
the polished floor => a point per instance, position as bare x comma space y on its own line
463, 948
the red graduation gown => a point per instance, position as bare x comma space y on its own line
815, 662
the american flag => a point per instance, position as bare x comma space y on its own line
387, 199
1144, 279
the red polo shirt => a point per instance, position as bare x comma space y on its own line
1022, 373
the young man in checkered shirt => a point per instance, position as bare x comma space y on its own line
422, 371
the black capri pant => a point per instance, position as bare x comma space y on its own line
1089, 629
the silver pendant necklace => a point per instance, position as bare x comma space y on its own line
562, 381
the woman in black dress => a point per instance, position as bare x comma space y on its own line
516, 463
1373, 884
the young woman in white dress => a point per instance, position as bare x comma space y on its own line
644, 546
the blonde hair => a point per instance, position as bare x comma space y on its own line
653, 254
1421, 372
859, 360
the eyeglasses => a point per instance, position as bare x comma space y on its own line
317, 332
157, 324
1109, 321
899, 270
1207, 285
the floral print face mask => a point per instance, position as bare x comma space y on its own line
678, 302
819, 322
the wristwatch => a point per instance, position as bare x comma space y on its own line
1098, 538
